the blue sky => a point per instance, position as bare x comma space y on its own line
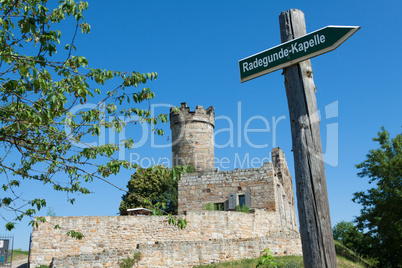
195, 46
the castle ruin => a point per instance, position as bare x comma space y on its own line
193, 144
210, 236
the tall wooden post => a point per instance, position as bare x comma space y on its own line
311, 187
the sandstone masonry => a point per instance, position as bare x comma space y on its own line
193, 137
263, 187
269, 187
210, 236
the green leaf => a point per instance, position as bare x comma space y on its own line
45, 138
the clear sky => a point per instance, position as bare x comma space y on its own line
195, 46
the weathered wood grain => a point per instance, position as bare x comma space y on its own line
311, 189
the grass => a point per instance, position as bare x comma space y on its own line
345, 257
247, 263
19, 254
282, 262
348, 255
345, 263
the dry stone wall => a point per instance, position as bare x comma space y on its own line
109, 239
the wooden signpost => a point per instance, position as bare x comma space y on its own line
294, 51
311, 187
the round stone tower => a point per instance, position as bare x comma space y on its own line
193, 137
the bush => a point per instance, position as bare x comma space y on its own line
209, 206
243, 208
266, 259
130, 262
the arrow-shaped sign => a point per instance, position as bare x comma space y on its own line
294, 51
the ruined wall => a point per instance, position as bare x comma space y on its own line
283, 174
188, 253
210, 236
285, 209
284, 195
198, 189
270, 188
193, 137
119, 236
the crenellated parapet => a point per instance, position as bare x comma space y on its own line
198, 115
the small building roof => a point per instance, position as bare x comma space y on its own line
136, 211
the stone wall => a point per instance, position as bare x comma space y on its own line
284, 195
197, 189
285, 209
193, 137
187, 253
109, 239
283, 174
270, 188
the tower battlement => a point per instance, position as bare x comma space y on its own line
193, 137
198, 115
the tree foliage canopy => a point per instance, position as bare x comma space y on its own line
156, 185
346, 233
381, 215
41, 81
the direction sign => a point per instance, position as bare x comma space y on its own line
294, 51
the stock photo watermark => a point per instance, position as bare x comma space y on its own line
230, 132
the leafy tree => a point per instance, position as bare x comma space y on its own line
381, 214
155, 184
41, 81
348, 234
